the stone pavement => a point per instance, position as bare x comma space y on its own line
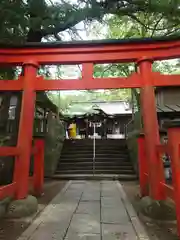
88, 210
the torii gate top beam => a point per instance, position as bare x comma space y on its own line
104, 51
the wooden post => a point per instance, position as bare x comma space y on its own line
151, 131
143, 168
22, 163
174, 150
38, 177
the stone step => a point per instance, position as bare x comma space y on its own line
112, 160
120, 177
104, 147
97, 146
98, 141
109, 153
98, 171
97, 154
90, 159
89, 163
97, 151
89, 167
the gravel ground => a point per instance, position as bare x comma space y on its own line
163, 231
12, 229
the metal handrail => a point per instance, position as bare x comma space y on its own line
126, 127
94, 147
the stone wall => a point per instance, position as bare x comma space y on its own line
54, 139
132, 138
53, 145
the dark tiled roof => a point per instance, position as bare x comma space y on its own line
168, 108
92, 42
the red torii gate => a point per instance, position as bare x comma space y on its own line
141, 51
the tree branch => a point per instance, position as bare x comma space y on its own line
74, 17
149, 28
155, 26
72, 14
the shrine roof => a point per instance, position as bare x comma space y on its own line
168, 108
113, 108
102, 107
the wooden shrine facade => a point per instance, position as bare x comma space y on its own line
142, 52
109, 126
43, 108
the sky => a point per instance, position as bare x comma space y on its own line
84, 35
80, 26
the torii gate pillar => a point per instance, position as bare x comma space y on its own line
22, 163
151, 130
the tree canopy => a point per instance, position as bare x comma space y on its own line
32, 20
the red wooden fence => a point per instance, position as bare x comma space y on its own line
173, 150
38, 174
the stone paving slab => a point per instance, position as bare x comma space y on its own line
118, 232
91, 196
111, 202
114, 215
88, 210
83, 236
85, 223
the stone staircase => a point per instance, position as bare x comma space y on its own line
111, 161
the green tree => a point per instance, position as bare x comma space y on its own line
34, 19
140, 25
